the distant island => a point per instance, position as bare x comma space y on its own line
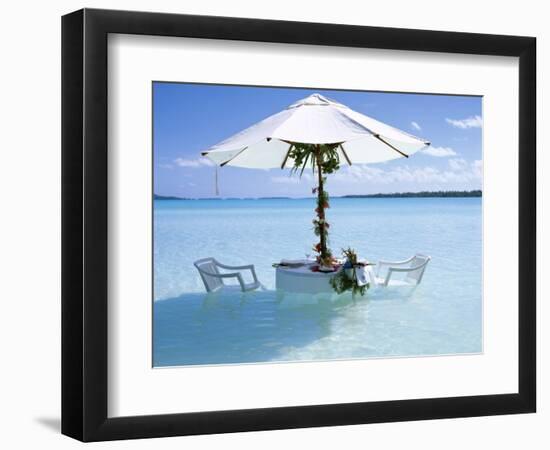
168, 197
425, 194
475, 193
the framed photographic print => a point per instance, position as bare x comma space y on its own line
273, 224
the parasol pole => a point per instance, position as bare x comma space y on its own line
321, 213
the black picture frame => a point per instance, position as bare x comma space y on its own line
84, 224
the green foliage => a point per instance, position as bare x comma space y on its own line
322, 198
350, 255
325, 159
324, 155
342, 283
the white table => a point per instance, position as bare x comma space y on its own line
302, 280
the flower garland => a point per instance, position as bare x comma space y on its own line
325, 159
321, 227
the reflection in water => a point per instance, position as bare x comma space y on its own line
235, 327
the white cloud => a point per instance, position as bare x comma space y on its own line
285, 180
469, 122
458, 164
415, 125
194, 163
477, 168
458, 171
165, 166
291, 179
440, 152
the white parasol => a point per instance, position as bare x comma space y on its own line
314, 120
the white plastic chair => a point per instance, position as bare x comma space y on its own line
213, 279
413, 268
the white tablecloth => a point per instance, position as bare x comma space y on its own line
303, 280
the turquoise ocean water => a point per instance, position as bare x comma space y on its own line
442, 316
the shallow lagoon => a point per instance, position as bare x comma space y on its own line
442, 316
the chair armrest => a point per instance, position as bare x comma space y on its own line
402, 269
391, 270
392, 264
225, 266
408, 269
251, 268
395, 263
226, 275
245, 267
236, 275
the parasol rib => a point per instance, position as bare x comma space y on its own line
286, 156
377, 136
345, 154
231, 159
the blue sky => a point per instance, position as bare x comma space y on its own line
189, 118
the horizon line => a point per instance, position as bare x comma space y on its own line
375, 195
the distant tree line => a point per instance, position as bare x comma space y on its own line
475, 193
167, 197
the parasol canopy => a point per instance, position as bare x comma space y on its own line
314, 120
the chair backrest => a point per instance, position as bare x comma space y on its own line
208, 270
418, 266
